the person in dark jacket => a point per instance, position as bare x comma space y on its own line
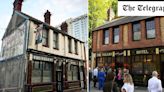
110, 84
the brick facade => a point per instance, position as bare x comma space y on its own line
126, 38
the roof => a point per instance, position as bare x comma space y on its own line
46, 24
122, 20
26, 16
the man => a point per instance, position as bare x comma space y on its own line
95, 74
154, 84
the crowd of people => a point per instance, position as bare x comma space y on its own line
120, 80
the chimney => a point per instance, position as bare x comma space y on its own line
64, 27
47, 17
18, 5
110, 14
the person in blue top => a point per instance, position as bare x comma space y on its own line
101, 78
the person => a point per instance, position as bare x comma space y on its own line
101, 78
119, 78
90, 78
154, 84
128, 83
95, 74
110, 85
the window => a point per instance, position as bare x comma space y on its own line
45, 38
137, 65
69, 45
76, 48
55, 40
136, 31
73, 73
106, 37
41, 72
150, 28
116, 35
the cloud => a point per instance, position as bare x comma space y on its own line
60, 9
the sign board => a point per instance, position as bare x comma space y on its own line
107, 54
42, 58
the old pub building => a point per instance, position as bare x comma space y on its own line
136, 43
37, 57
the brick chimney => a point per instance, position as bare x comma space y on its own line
18, 5
64, 27
47, 17
110, 14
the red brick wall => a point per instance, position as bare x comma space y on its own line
144, 42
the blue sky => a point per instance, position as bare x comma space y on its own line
60, 10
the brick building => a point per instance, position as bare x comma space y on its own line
132, 42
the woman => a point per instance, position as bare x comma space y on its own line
128, 84
110, 84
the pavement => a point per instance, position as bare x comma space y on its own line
137, 89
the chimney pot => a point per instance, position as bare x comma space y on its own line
64, 27
18, 5
110, 14
47, 17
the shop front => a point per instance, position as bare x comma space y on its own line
161, 51
143, 62
54, 73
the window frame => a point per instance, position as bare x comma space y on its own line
148, 20
69, 45
76, 46
133, 37
43, 66
104, 36
56, 41
45, 37
117, 27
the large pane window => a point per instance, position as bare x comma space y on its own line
137, 65
106, 37
150, 28
36, 72
116, 35
136, 31
55, 40
41, 72
72, 73
149, 64
45, 38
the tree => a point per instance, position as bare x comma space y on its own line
98, 13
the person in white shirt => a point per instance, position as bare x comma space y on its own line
154, 84
95, 74
128, 83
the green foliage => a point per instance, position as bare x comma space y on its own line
98, 13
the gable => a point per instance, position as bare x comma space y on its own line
14, 23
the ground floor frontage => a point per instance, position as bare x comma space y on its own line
42, 72
140, 62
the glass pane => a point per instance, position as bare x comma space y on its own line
75, 73
151, 33
137, 65
106, 36
116, 35
36, 72
149, 65
47, 72
137, 35
150, 27
116, 39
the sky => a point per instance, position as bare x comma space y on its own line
60, 10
